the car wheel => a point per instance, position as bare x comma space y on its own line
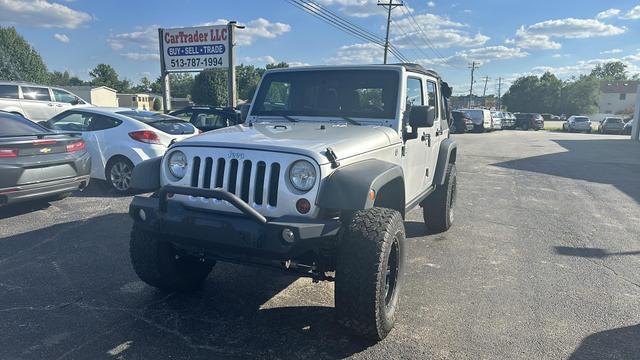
369, 272
118, 173
157, 263
438, 209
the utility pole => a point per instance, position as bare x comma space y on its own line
473, 68
389, 6
484, 92
499, 94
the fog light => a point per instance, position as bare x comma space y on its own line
288, 235
142, 215
303, 206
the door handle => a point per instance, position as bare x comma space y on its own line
438, 132
426, 138
50, 104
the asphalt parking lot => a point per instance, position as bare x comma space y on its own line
543, 262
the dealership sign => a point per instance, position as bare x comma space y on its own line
195, 48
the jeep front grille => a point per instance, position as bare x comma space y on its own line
255, 183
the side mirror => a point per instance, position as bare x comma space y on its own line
422, 116
244, 112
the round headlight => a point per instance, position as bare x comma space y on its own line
177, 164
302, 175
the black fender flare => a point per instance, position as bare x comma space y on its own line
447, 154
347, 188
146, 175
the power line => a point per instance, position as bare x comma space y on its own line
336, 21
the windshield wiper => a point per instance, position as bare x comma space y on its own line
350, 120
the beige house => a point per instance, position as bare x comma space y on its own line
96, 95
617, 97
140, 101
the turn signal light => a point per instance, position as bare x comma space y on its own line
8, 153
76, 146
303, 206
145, 136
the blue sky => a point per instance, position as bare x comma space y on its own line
508, 38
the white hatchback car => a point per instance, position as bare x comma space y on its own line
120, 138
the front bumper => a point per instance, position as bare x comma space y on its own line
42, 190
230, 236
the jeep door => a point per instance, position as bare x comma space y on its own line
415, 157
434, 133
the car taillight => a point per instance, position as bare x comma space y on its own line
76, 146
8, 153
145, 136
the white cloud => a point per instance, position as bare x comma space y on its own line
256, 29
143, 38
527, 40
608, 13
558, 56
431, 4
585, 66
142, 56
481, 55
267, 59
359, 8
632, 14
539, 35
366, 53
612, 51
41, 13
61, 37
298, 63
441, 32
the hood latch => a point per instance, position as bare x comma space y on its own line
333, 159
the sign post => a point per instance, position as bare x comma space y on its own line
196, 49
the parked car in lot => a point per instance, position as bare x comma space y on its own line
497, 119
526, 121
628, 127
462, 122
207, 118
120, 138
36, 102
482, 120
611, 125
508, 120
577, 123
38, 163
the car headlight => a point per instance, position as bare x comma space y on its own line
177, 164
302, 175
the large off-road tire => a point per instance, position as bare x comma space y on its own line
369, 272
158, 264
438, 209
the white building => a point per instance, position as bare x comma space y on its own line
96, 95
617, 97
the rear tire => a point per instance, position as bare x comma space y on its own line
369, 272
157, 263
438, 210
118, 173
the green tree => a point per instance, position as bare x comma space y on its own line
143, 86
281, 64
19, 61
523, 94
613, 70
64, 79
106, 75
580, 96
247, 78
157, 104
210, 88
181, 84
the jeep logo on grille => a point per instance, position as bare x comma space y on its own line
235, 155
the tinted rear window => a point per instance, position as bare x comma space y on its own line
169, 124
15, 125
9, 91
614, 120
581, 119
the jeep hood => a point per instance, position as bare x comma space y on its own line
305, 138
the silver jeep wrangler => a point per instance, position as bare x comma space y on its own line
317, 182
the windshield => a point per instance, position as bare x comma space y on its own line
475, 114
336, 93
581, 119
614, 120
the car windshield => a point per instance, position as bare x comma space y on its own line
580, 119
13, 125
614, 120
167, 123
331, 93
475, 114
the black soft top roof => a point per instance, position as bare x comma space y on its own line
417, 68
